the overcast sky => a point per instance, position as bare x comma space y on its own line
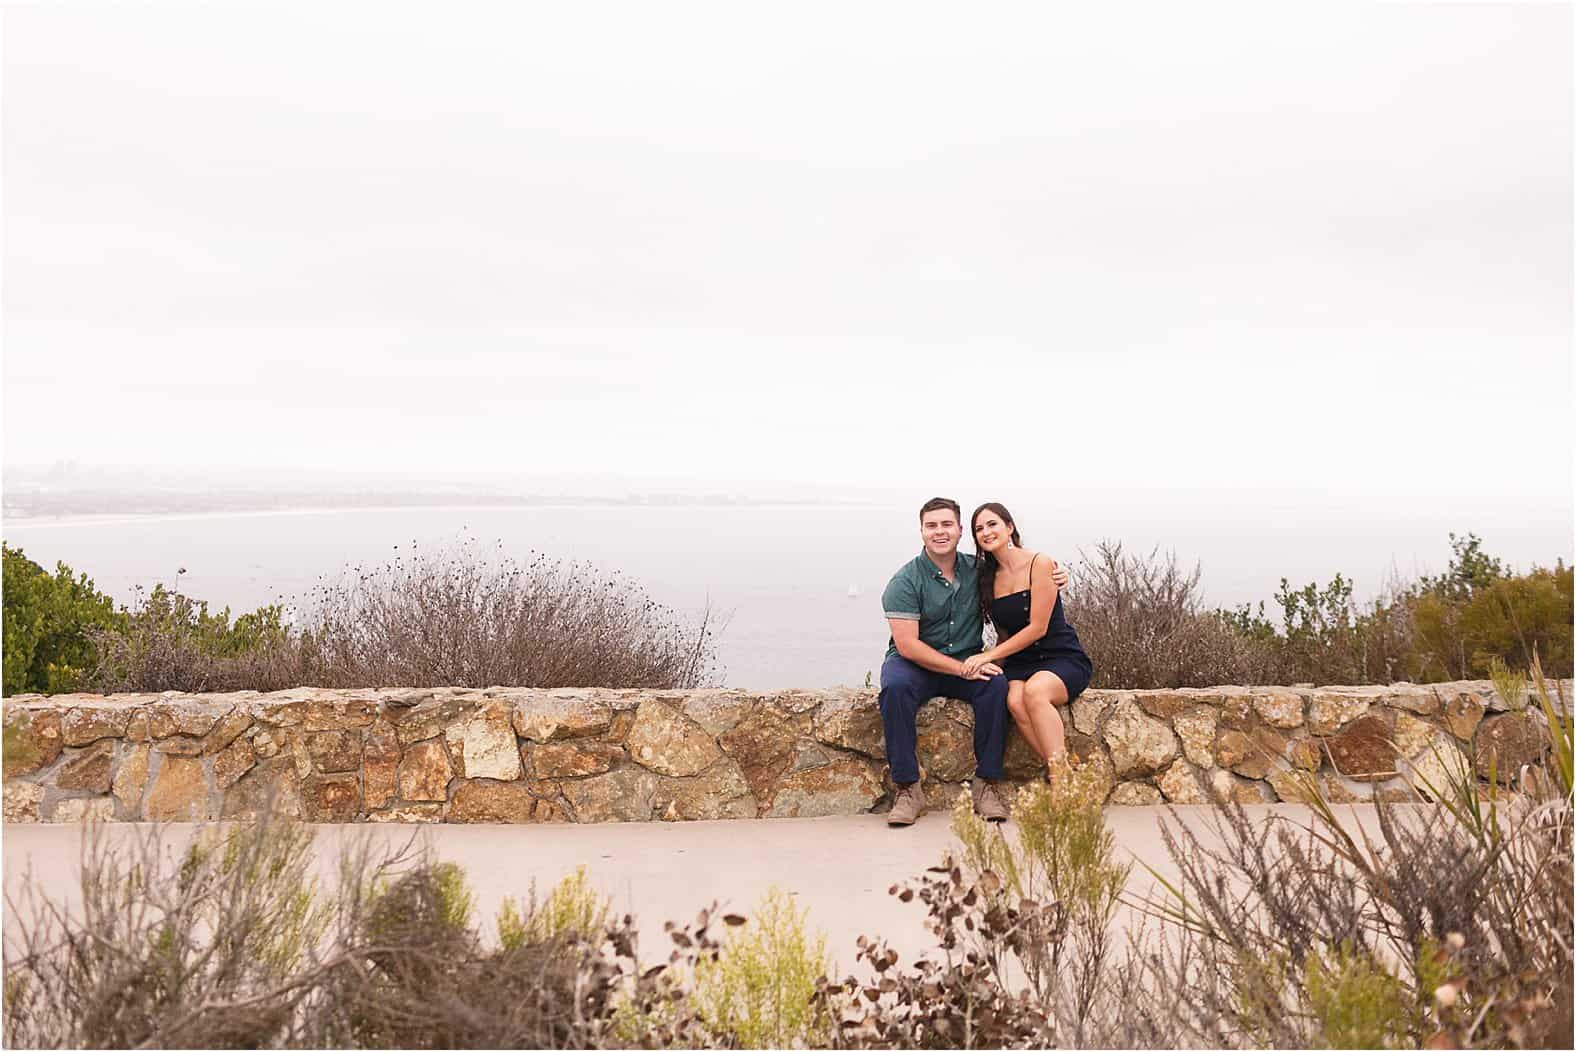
841, 244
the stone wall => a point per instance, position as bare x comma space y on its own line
520, 755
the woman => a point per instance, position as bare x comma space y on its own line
1036, 648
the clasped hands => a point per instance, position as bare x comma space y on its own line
979, 667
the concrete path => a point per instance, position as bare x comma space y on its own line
839, 868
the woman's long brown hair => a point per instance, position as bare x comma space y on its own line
985, 561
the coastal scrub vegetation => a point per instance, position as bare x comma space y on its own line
457, 616
48, 618
463, 617
1145, 623
1408, 926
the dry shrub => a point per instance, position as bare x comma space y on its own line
458, 617
204, 950
1143, 623
418, 976
167, 640
1024, 930
230, 943
1450, 928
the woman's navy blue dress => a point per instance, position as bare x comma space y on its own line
1057, 651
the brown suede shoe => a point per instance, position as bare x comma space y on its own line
988, 803
907, 806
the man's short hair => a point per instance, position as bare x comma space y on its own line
937, 503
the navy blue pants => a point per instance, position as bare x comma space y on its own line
906, 686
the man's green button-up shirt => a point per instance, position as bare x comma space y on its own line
948, 614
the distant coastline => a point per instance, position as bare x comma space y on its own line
97, 509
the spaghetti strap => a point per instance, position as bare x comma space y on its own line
1032, 558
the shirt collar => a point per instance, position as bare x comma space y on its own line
931, 570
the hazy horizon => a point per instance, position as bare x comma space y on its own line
1246, 275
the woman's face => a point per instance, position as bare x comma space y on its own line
991, 532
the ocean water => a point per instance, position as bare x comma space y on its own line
801, 584
800, 611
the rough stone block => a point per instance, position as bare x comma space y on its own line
1507, 742
1294, 786
1196, 729
484, 745
1463, 713
331, 798
1329, 711
719, 711
1090, 709
85, 726
492, 802
843, 787
32, 742
1165, 704
624, 795
1181, 784
573, 759
664, 741
169, 718
88, 771
763, 748
425, 772
944, 746
84, 809
131, 778
179, 792
720, 791
22, 800
380, 765
233, 762
1139, 744
1135, 794
272, 786
1438, 767
229, 727
334, 751
1364, 750
1279, 708
853, 727
1266, 748
1231, 748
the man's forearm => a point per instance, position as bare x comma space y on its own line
928, 657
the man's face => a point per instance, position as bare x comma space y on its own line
940, 532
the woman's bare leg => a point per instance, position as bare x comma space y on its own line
1018, 707
1041, 694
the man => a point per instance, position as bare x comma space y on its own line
933, 606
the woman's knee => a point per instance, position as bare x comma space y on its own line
1017, 705
1046, 688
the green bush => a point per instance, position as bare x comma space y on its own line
758, 992
572, 908
48, 622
